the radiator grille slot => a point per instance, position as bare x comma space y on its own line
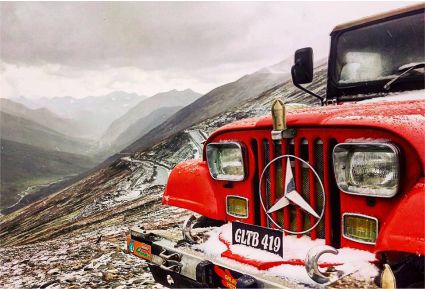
318, 166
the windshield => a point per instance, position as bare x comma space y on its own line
379, 52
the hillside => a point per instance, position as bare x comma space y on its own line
116, 135
142, 126
33, 155
92, 113
23, 166
43, 117
25, 131
217, 101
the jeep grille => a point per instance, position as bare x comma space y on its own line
315, 150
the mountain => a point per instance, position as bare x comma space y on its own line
42, 116
217, 101
142, 126
25, 131
23, 166
93, 113
116, 135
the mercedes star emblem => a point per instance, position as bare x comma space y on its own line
291, 196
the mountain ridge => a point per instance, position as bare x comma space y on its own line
172, 98
42, 116
217, 100
26, 131
93, 113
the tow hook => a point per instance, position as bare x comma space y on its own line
171, 261
311, 265
187, 229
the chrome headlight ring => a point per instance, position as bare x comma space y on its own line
227, 161
367, 169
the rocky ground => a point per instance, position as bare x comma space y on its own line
76, 240
92, 258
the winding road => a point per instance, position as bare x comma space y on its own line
198, 138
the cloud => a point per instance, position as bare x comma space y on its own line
149, 35
50, 80
157, 44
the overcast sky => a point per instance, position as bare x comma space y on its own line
80, 49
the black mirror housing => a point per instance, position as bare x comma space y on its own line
302, 71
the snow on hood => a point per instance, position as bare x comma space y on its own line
401, 113
413, 103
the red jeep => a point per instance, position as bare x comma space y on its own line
346, 179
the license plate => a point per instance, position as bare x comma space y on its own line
258, 237
140, 249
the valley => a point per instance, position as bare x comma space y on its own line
43, 151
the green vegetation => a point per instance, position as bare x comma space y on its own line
25, 131
24, 165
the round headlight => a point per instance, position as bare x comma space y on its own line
370, 169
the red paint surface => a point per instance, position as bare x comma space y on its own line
190, 186
404, 229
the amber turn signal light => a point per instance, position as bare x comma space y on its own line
237, 206
360, 228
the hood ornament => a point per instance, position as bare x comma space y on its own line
279, 119
280, 130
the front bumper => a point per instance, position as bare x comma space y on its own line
179, 266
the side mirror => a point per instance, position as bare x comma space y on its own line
302, 71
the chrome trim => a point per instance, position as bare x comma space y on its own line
247, 206
312, 268
276, 135
364, 216
241, 148
394, 149
187, 228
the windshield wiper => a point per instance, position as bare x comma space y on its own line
406, 69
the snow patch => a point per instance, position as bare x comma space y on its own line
366, 140
356, 262
132, 195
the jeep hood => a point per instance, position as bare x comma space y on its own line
401, 114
